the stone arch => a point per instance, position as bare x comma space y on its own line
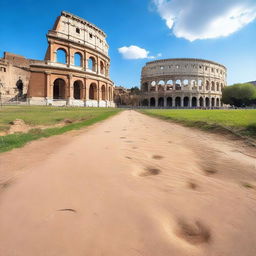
93, 91
200, 84
77, 89
178, 84
169, 102
161, 102
207, 102
153, 86
217, 102
102, 67
186, 101
161, 84
177, 101
212, 86
78, 59
217, 87
213, 102
152, 102
169, 85
20, 86
145, 103
59, 89
194, 102
92, 64
61, 56
207, 85
193, 84
103, 92
201, 102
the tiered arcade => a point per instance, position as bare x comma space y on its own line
182, 82
76, 66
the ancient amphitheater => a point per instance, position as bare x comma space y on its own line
182, 82
75, 70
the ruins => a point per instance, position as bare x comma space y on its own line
182, 82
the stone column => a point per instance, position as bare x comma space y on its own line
210, 102
165, 102
204, 102
173, 102
182, 101
69, 90
197, 102
190, 102
48, 86
156, 99
87, 88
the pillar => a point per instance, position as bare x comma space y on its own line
165, 102
190, 102
204, 102
197, 102
182, 101
173, 102
70, 87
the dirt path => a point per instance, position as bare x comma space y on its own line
130, 186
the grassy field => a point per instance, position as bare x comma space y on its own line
240, 122
35, 115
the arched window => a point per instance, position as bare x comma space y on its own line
178, 85
61, 56
93, 92
207, 85
59, 89
153, 86
102, 68
78, 60
91, 64
169, 102
194, 102
169, 85
213, 86
103, 92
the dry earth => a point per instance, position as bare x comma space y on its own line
131, 186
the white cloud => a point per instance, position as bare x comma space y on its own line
135, 52
203, 19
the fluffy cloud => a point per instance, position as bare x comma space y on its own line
135, 52
203, 19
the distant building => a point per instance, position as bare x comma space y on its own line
182, 82
75, 70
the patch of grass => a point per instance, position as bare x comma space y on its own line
11, 141
239, 122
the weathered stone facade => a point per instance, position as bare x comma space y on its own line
182, 83
81, 78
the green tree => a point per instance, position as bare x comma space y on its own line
239, 95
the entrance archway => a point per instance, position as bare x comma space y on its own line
177, 102
169, 102
152, 102
78, 87
103, 92
145, 103
161, 102
59, 89
93, 92
194, 102
186, 101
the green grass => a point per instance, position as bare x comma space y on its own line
34, 115
240, 122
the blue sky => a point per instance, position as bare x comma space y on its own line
148, 24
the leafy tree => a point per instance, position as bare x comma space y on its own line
239, 95
135, 90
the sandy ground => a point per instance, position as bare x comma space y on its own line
131, 186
